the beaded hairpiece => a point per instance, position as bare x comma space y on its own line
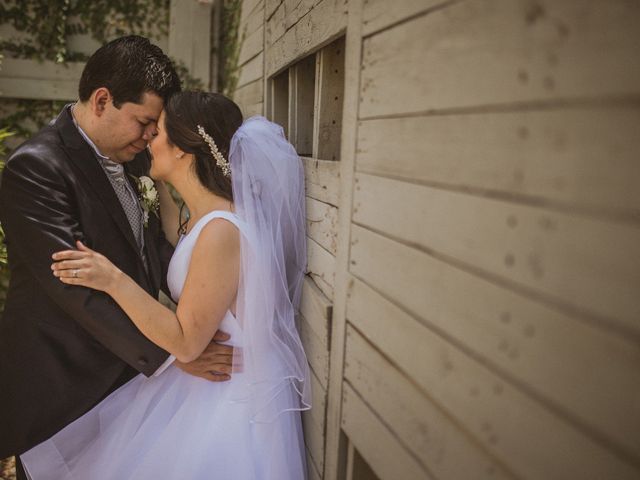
219, 158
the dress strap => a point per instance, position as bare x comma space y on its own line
230, 217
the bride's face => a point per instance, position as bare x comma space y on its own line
164, 156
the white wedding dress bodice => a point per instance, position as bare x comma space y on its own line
174, 425
179, 268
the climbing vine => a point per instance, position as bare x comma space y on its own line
46, 25
230, 43
4, 273
4, 134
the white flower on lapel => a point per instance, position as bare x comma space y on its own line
148, 196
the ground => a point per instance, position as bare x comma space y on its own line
7, 469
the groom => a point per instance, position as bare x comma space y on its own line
64, 348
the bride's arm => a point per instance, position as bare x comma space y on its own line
169, 213
209, 291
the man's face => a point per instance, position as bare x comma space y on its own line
124, 132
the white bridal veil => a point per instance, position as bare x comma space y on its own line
268, 189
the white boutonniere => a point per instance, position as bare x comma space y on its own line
148, 196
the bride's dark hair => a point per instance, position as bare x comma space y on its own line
220, 117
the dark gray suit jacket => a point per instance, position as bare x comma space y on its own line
64, 348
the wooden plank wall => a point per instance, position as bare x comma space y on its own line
249, 93
472, 304
488, 271
276, 35
295, 31
295, 34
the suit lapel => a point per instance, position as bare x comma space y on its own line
83, 157
137, 169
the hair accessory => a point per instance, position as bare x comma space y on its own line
219, 158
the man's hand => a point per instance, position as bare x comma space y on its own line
215, 363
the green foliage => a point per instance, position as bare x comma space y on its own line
4, 134
29, 115
230, 42
187, 81
3, 249
48, 24
4, 273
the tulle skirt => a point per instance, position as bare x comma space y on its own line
173, 426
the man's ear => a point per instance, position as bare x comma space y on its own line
99, 100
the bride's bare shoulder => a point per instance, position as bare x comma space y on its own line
219, 235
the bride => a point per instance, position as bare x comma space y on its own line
238, 266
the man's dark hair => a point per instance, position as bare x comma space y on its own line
129, 66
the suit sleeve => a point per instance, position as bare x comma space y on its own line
38, 212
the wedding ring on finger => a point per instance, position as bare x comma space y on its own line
75, 274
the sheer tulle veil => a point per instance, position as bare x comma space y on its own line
268, 188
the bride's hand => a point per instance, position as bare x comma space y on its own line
85, 267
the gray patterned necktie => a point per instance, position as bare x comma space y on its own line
127, 196
128, 199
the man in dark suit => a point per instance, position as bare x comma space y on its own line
64, 348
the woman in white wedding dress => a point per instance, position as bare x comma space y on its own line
238, 266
